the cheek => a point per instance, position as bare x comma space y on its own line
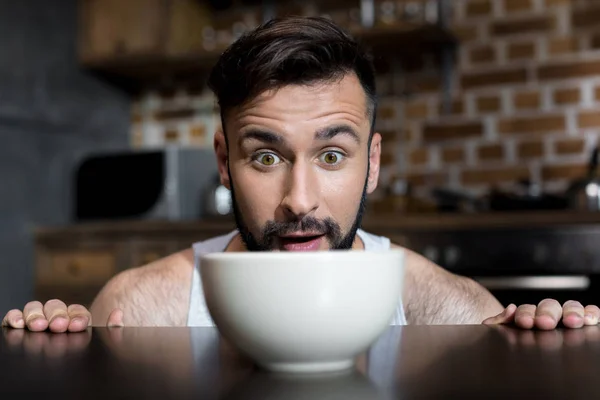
341, 193
258, 195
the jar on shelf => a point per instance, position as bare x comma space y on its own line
354, 18
431, 13
386, 13
410, 11
209, 38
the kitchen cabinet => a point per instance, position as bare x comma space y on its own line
74, 274
140, 38
141, 43
74, 271
74, 262
114, 28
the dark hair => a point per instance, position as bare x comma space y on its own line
287, 51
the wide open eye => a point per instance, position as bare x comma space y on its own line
267, 159
331, 157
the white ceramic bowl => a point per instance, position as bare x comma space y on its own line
303, 311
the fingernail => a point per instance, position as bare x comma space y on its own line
34, 317
590, 318
32, 321
51, 320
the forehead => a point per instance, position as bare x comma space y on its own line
296, 106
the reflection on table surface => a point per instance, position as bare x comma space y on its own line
409, 362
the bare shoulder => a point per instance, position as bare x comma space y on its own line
434, 295
156, 294
412, 258
417, 265
421, 275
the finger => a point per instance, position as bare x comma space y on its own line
79, 318
548, 314
35, 342
115, 319
572, 314
525, 316
14, 319
14, 338
57, 315
34, 317
505, 317
591, 315
56, 346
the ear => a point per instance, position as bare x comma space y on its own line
375, 162
220, 146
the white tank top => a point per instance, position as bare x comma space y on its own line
198, 314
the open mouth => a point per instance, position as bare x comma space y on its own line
301, 243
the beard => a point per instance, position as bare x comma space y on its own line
267, 239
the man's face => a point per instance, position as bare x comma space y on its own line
298, 166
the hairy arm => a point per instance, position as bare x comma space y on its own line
435, 296
153, 295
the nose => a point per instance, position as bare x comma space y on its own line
302, 192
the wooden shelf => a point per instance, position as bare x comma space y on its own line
484, 221
405, 38
136, 72
400, 223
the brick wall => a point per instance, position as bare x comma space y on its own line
526, 99
526, 96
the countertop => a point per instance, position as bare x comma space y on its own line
412, 362
398, 223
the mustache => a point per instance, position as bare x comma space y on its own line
327, 227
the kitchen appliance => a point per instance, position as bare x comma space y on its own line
449, 200
217, 199
526, 195
167, 184
520, 265
584, 194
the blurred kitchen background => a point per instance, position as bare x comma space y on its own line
488, 109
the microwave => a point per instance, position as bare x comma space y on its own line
157, 184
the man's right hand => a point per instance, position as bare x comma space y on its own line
56, 316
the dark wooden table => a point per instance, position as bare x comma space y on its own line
415, 362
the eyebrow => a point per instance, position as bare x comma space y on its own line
327, 133
263, 136
332, 131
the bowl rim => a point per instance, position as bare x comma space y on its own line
321, 254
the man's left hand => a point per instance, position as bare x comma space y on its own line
547, 314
